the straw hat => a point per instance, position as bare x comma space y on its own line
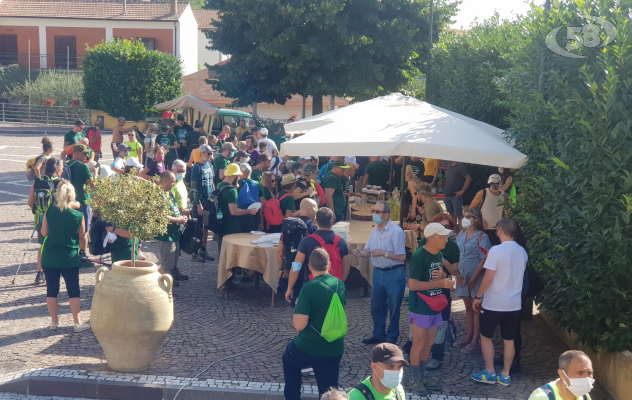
288, 179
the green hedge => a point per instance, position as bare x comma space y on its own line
124, 79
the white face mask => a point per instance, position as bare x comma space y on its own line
579, 386
466, 223
392, 379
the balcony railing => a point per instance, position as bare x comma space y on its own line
43, 61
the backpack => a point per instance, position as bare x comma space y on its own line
293, 231
548, 390
272, 210
532, 284
67, 173
96, 237
248, 194
368, 395
321, 200
334, 255
44, 191
191, 238
212, 206
335, 324
30, 166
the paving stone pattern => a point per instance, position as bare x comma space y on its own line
208, 326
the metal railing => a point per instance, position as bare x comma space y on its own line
63, 62
39, 114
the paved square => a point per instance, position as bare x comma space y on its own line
208, 326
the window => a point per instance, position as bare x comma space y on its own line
66, 52
150, 43
8, 49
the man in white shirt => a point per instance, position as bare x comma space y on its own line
262, 136
502, 304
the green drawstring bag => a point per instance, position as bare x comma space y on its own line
335, 324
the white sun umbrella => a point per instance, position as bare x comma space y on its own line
398, 125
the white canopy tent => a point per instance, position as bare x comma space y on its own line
398, 125
202, 110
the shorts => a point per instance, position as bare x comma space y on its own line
454, 205
427, 178
168, 255
425, 321
40, 237
87, 215
508, 321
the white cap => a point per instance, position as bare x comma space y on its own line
495, 178
350, 159
264, 131
436, 229
92, 164
133, 162
306, 158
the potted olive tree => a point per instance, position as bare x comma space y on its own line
133, 300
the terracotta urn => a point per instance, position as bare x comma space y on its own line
132, 313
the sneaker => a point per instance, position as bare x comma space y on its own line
85, 263
504, 380
177, 275
418, 388
40, 278
82, 327
431, 385
197, 257
307, 371
53, 326
372, 340
434, 364
141, 256
485, 377
205, 255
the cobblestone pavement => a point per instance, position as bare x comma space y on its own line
208, 326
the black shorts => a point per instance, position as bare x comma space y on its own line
508, 321
40, 237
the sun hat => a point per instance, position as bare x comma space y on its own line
288, 179
232, 170
228, 146
133, 162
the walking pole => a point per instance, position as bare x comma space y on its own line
23, 257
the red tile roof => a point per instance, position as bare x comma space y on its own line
194, 84
204, 18
91, 9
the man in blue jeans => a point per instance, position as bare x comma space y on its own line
387, 248
309, 348
457, 180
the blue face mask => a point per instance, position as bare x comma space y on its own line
126, 154
179, 177
377, 218
232, 154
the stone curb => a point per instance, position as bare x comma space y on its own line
101, 389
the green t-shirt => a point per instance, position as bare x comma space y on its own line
287, 203
332, 181
173, 230
378, 172
134, 149
216, 147
231, 223
266, 193
256, 175
421, 265
73, 137
80, 175
61, 249
181, 195
277, 139
451, 252
314, 301
221, 162
167, 140
181, 132
355, 394
122, 249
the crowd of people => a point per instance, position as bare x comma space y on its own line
241, 180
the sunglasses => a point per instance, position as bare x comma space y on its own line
495, 184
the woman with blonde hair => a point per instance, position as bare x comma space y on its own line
268, 181
64, 231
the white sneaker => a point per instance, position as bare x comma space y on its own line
82, 327
53, 326
307, 371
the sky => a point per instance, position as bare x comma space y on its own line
483, 9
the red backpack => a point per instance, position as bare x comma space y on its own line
272, 210
320, 193
335, 268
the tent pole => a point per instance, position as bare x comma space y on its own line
392, 177
401, 195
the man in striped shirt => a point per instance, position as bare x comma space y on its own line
387, 248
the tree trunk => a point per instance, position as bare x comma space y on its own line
317, 104
134, 247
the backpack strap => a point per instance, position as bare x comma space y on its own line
317, 238
282, 197
337, 240
483, 201
548, 390
480, 237
366, 392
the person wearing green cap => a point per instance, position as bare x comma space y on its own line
335, 190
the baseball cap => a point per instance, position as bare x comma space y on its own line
133, 162
288, 179
121, 147
436, 229
205, 148
254, 128
245, 167
232, 170
180, 117
164, 128
92, 164
309, 169
198, 124
81, 148
306, 158
340, 163
388, 353
228, 146
264, 132
241, 154
495, 178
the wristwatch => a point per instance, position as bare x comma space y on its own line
386, 255
477, 298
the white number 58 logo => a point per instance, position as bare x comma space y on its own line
581, 36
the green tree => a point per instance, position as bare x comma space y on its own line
124, 79
344, 47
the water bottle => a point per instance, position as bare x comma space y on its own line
220, 215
